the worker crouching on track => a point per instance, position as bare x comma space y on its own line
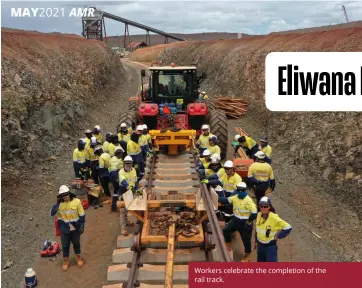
203, 163
71, 221
213, 147
215, 169
116, 164
261, 176
269, 228
103, 165
127, 181
229, 180
244, 212
203, 141
248, 144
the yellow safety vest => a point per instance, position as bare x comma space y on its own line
70, 211
115, 164
273, 222
105, 146
261, 171
229, 183
130, 177
104, 160
87, 143
243, 207
249, 142
133, 148
80, 156
204, 140
267, 150
99, 137
142, 141
124, 137
214, 149
205, 163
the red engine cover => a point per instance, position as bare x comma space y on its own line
195, 109
148, 109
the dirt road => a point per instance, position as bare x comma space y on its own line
27, 224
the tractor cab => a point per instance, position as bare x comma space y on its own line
169, 85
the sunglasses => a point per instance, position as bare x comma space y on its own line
64, 195
262, 206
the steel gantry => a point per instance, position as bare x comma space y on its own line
94, 27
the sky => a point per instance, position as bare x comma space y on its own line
251, 17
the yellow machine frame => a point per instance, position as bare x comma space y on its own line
171, 139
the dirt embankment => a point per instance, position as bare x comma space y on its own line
325, 145
48, 82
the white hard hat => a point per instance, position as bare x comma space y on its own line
229, 164
94, 140
97, 127
237, 137
203, 92
215, 158
123, 125
260, 155
241, 185
205, 126
140, 127
63, 189
265, 200
206, 153
144, 126
128, 159
97, 148
219, 188
88, 131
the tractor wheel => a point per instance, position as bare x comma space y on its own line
128, 118
132, 105
219, 127
211, 105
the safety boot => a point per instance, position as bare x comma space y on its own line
246, 257
124, 232
79, 260
65, 264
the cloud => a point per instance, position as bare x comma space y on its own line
254, 17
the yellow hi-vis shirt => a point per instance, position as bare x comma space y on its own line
70, 211
204, 140
99, 137
80, 156
274, 222
87, 143
229, 183
267, 150
261, 171
91, 155
133, 148
104, 160
243, 207
111, 149
130, 177
205, 163
214, 149
105, 146
210, 172
249, 142
124, 137
148, 138
142, 141
115, 164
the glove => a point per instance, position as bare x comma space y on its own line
205, 181
81, 229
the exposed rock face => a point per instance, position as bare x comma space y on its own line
328, 145
47, 83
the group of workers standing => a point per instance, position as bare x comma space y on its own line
120, 159
238, 209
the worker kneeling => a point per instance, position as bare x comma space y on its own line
127, 181
203, 163
245, 212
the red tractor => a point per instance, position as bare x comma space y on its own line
170, 108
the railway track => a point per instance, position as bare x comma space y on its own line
178, 226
